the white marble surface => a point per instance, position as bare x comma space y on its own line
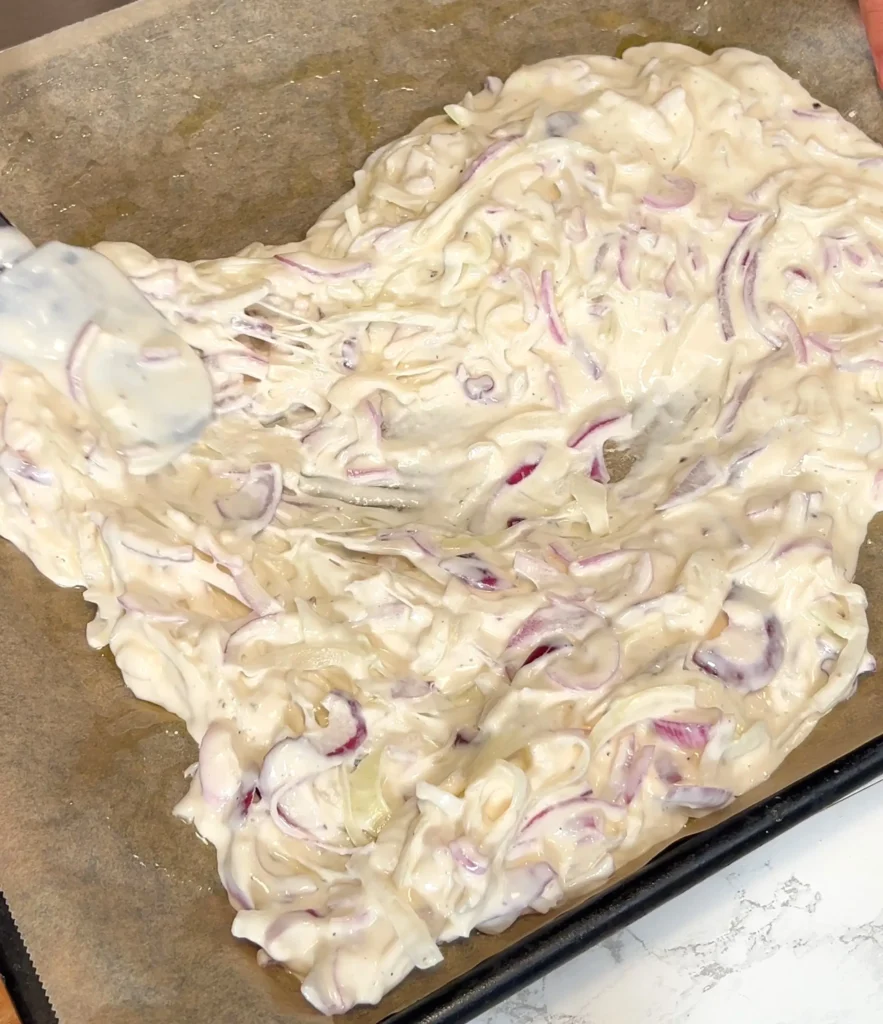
791, 934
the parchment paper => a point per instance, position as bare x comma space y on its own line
194, 128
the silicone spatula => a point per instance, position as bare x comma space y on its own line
73, 316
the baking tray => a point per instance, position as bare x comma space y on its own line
678, 868
100, 117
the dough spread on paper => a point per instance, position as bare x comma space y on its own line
442, 670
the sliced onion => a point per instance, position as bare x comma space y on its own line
730, 411
605, 560
790, 332
290, 761
262, 628
597, 429
76, 360
697, 798
685, 735
522, 472
666, 768
544, 649
567, 814
477, 389
540, 573
155, 549
598, 471
349, 353
246, 364
817, 114
17, 465
253, 327
378, 476
681, 192
752, 676
220, 774
467, 856
559, 124
411, 689
637, 772
317, 273
256, 501
249, 590
702, 477
346, 730
239, 898
412, 931
474, 572
547, 302
523, 887
626, 263
557, 618
282, 819
494, 149
821, 544
723, 286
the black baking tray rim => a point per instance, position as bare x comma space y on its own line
680, 866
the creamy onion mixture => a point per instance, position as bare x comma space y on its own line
443, 671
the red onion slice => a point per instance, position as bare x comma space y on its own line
477, 389
730, 411
290, 761
598, 471
349, 353
17, 465
346, 730
680, 194
283, 820
544, 649
494, 149
723, 286
558, 618
250, 592
315, 273
790, 332
702, 477
697, 798
411, 689
597, 430
154, 549
568, 815
751, 676
547, 302
256, 501
626, 263
467, 856
525, 886
474, 572
76, 360
520, 474
684, 735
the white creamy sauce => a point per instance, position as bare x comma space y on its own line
442, 670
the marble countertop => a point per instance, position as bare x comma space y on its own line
790, 934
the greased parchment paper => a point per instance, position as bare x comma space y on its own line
193, 127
